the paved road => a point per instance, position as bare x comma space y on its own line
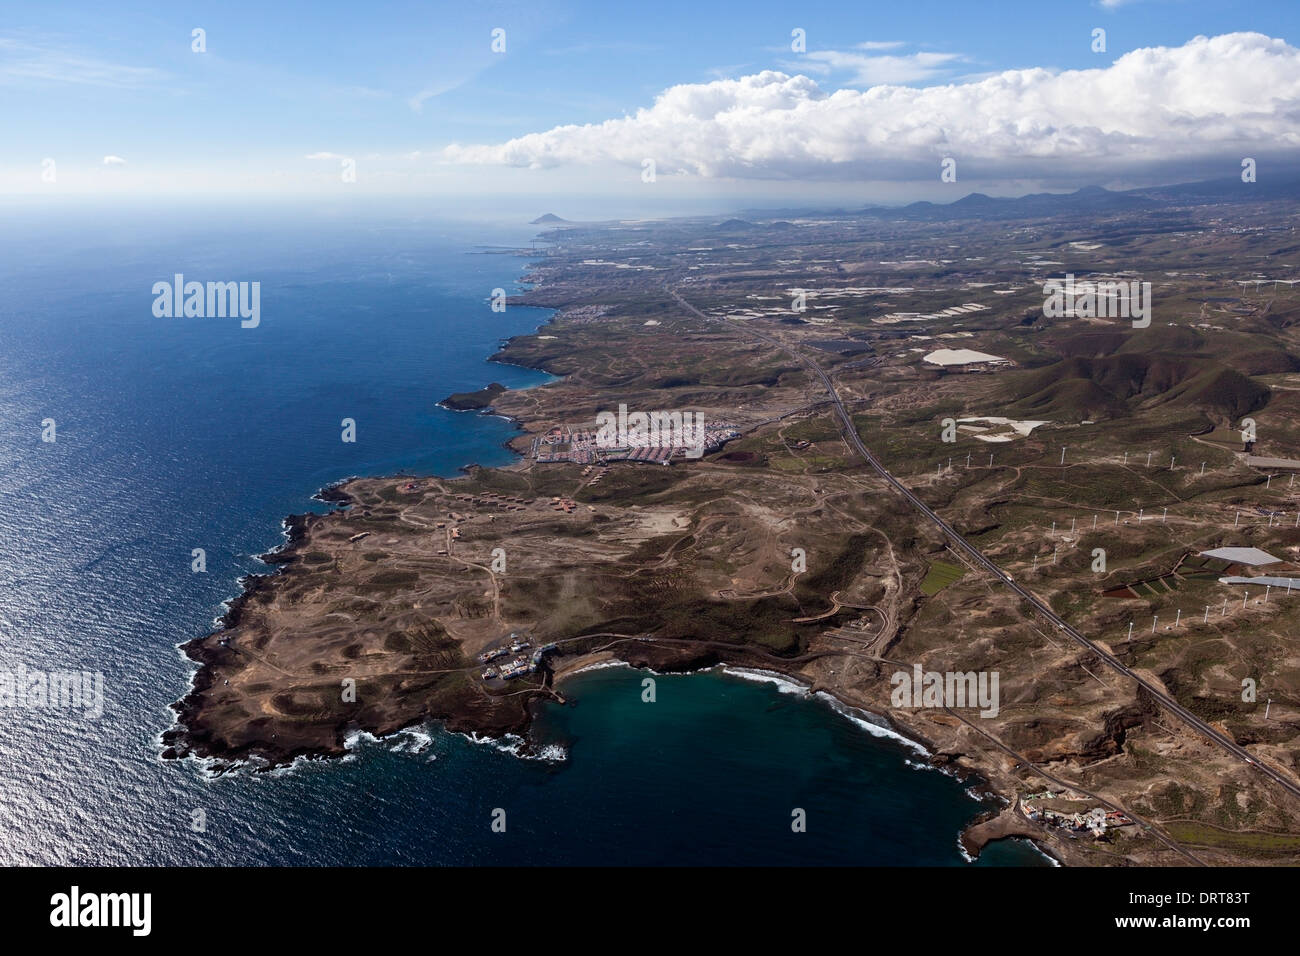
850, 433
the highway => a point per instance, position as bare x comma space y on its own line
851, 436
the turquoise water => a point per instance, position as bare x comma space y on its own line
182, 433
713, 770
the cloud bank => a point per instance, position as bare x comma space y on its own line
1211, 97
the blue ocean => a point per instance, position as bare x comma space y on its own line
173, 434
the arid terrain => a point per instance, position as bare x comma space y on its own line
1093, 463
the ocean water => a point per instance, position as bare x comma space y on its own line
182, 433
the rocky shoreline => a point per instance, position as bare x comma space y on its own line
480, 400
189, 736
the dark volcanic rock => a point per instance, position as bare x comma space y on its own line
473, 401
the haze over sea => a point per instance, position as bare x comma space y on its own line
183, 433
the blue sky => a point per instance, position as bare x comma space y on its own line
390, 85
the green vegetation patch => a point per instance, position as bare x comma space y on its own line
1201, 834
940, 576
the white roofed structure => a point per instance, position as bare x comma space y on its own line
961, 357
1251, 556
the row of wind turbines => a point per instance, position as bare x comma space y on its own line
1259, 282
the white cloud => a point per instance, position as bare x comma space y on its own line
1152, 106
324, 156
114, 161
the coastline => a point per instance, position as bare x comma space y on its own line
988, 826
180, 740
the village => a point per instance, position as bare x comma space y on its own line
1095, 820
582, 445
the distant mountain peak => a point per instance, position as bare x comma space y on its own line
548, 218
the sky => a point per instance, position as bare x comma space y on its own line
754, 101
